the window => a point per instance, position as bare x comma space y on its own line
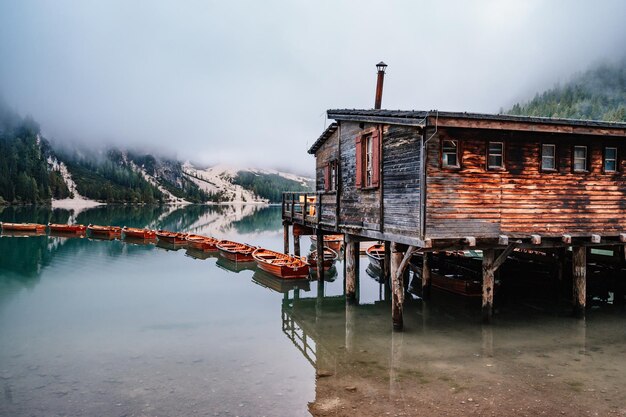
330, 176
369, 154
580, 158
548, 157
610, 159
368, 159
495, 155
450, 154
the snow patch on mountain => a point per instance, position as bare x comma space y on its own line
219, 180
78, 203
171, 198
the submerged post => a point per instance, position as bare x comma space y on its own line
397, 288
488, 284
579, 273
296, 244
320, 254
351, 254
285, 237
387, 261
426, 278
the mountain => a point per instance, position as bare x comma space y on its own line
33, 171
597, 94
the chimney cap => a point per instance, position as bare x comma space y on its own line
381, 66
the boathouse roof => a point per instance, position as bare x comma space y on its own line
470, 120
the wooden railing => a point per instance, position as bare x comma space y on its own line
310, 208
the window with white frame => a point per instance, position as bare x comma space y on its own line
450, 154
580, 158
369, 155
610, 159
548, 157
495, 155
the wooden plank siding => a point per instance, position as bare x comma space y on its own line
401, 180
522, 199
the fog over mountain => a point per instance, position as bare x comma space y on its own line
249, 82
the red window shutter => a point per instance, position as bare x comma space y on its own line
375, 158
359, 161
327, 177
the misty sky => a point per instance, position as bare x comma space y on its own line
248, 83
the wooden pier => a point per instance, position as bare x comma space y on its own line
431, 181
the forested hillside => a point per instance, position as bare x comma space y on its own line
269, 186
24, 173
598, 94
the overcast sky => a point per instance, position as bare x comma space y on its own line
248, 83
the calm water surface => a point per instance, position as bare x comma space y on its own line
93, 327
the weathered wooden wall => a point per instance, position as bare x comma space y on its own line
357, 207
326, 153
522, 200
401, 180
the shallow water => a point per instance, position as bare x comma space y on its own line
92, 327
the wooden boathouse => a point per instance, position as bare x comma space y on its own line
424, 181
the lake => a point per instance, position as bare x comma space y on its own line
108, 328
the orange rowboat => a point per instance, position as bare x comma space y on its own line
281, 265
238, 252
23, 227
172, 237
77, 229
331, 241
330, 256
204, 243
135, 233
109, 232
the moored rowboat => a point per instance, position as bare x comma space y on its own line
280, 264
376, 255
172, 237
238, 252
331, 241
330, 256
23, 227
138, 233
204, 243
104, 231
67, 228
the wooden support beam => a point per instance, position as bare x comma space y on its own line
503, 256
296, 245
579, 272
566, 239
387, 261
595, 238
426, 277
285, 237
351, 253
622, 237
469, 241
488, 284
320, 254
397, 288
503, 240
535, 239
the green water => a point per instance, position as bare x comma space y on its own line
107, 328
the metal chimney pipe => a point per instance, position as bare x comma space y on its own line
381, 66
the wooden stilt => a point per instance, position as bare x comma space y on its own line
285, 237
488, 284
387, 262
620, 283
426, 278
351, 254
397, 288
320, 254
296, 245
350, 326
579, 273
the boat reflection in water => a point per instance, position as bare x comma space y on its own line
139, 242
283, 286
233, 266
19, 233
168, 246
200, 254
